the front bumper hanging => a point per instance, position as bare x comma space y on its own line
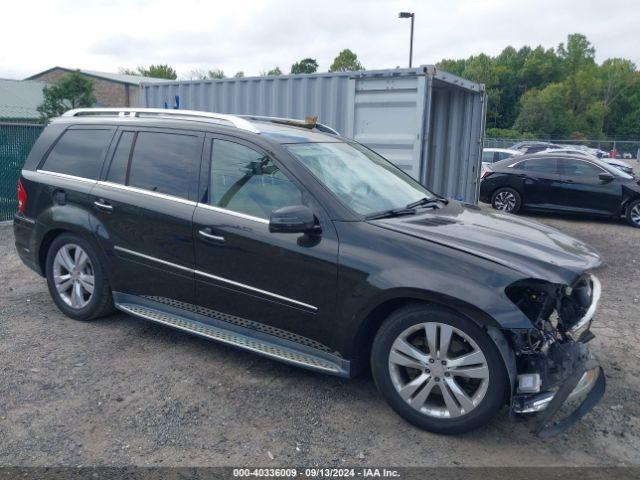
575, 376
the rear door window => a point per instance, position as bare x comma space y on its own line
540, 165
164, 162
79, 152
487, 157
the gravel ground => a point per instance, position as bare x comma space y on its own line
121, 391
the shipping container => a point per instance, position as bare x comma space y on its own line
428, 122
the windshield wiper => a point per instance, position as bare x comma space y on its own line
426, 201
394, 212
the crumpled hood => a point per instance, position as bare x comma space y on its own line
529, 247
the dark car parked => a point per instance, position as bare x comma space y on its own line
279, 237
562, 183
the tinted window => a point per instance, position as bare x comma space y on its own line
577, 167
487, 157
79, 153
503, 155
118, 169
164, 162
539, 165
247, 181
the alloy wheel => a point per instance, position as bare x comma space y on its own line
73, 276
438, 370
635, 214
505, 201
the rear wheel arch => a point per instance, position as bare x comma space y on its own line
50, 235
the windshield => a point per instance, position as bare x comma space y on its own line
363, 180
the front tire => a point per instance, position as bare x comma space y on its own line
438, 370
507, 200
76, 278
633, 214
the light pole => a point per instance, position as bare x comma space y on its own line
412, 16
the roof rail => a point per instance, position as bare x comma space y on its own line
233, 120
309, 122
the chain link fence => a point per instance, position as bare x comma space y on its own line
16, 140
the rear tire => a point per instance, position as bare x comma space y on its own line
76, 278
507, 200
458, 386
633, 213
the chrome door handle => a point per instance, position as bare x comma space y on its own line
102, 204
207, 234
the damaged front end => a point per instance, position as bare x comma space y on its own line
556, 370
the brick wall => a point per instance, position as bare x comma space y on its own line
108, 93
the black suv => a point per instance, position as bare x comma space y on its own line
286, 239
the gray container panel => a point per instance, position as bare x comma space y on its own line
452, 151
385, 119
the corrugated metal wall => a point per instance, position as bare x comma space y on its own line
429, 123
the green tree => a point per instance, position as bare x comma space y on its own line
306, 65
160, 71
540, 68
215, 74
153, 71
452, 66
560, 91
622, 116
273, 72
72, 90
543, 112
346, 61
578, 53
239, 74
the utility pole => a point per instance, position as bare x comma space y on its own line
412, 16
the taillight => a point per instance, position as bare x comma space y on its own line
22, 197
485, 173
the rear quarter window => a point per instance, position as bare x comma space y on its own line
79, 152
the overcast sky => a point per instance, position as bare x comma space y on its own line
255, 36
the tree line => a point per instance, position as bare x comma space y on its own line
556, 92
345, 61
532, 92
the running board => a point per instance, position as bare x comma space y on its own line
260, 346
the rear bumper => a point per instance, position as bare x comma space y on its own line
24, 233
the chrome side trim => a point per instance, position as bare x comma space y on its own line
142, 191
66, 177
153, 259
215, 277
253, 289
596, 288
165, 196
234, 213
